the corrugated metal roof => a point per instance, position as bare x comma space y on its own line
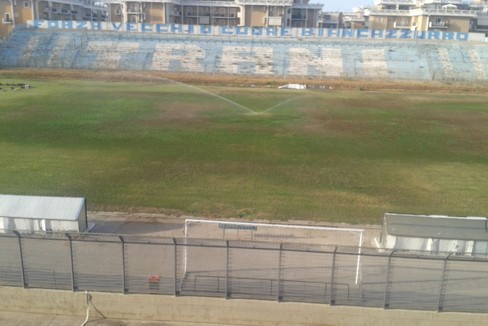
40, 207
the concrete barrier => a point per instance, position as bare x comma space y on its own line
218, 311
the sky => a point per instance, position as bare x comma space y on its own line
342, 5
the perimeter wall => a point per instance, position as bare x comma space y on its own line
213, 311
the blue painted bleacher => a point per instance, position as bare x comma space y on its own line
360, 59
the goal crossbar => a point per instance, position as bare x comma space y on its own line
276, 233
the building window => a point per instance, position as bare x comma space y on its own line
26, 4
7, 18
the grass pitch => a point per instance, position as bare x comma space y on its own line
256, 153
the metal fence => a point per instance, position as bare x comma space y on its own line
254, 270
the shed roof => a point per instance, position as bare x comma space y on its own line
437, 226
41, 207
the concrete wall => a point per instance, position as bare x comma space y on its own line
361, 59
220, 311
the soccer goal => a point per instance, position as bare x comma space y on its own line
276, 233
280, 233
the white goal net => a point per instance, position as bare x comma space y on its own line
273, 233
279, 233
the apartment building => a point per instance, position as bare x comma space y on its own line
20, 11
279, 13
423, 15
14, 11
482, 19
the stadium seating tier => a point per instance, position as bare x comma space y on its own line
406, 60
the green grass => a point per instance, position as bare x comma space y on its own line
340, 156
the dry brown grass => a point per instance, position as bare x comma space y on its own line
246, 81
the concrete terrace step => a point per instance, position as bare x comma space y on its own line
338, 58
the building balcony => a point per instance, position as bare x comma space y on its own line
387, 12
401, 25
134, 9
444, 12
265, 2
316, 6
273, 21
224, 15
395, 2
421, 12
330, 21
201, 3
439, 25
450, 2
82, 3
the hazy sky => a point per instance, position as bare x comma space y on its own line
342, 5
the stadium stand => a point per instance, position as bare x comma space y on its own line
407, 60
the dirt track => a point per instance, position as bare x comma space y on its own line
244, 81
163, 225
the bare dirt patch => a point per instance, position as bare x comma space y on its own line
246, 81
168, 225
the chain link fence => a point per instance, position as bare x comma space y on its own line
349, 276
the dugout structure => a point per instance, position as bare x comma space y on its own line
435, 234
40, 213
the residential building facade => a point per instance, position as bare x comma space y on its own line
20, 11
425, 15
279, 13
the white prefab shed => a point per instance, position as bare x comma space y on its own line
39, 213
434, 233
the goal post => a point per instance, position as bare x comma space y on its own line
281, 233
276, 233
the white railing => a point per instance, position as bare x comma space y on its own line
420, 12
445, 12
209, 3
265, 2
442, 24
384, 12
451, 2
309, 6
395, 2
401, 25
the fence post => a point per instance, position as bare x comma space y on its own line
175, 271
24, 285
124, 287
440, 302
332, 299
227, 294
387, 281
279, 296
71, 261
